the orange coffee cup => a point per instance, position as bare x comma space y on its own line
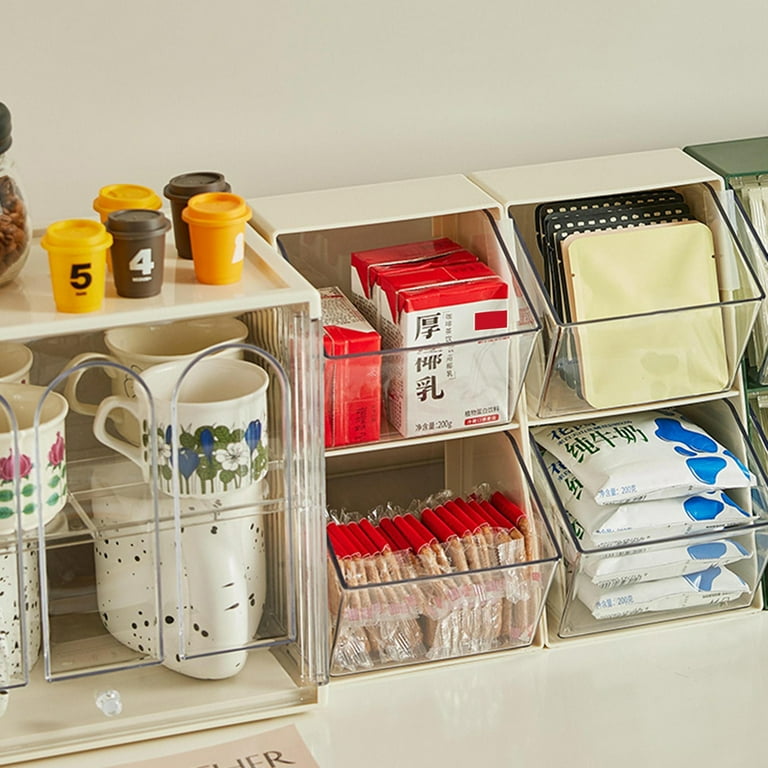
216, 223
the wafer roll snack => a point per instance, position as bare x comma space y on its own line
451, 579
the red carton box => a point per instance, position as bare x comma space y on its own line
364, 265
457, 319
352, 384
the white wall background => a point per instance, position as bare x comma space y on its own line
293, 95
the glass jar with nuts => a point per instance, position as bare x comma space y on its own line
15, 224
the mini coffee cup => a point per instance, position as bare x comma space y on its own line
217, 223
179, 190
20, 491
118, 197
138, 251
15, 362
77, 258
221, 420
138, 347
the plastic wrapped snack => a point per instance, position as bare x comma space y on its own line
715, 585
451, 580
643, 456
651, 564
606, 525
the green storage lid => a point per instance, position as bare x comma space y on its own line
729, 159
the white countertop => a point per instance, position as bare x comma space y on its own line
684, 695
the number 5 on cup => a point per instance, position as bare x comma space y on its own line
80, 276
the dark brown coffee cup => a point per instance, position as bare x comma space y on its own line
138, 251
178, 190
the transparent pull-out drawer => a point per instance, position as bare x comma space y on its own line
692, 553
743, 163
476, 588
141, 581
445, 356
618, 358
185, 505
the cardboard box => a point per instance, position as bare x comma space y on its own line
352, 384
457, 373
365, 264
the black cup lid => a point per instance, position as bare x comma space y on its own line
5, 128
138, 221
194, 183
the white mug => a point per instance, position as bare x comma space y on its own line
222, 423
15, 362
139, 347
51, 474
11, 658
223, 569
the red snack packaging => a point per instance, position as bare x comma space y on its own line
352, 384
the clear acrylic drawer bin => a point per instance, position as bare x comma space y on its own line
431, 379
449, 597
656, 573
621, 361
743, 163
175, 551
165, 600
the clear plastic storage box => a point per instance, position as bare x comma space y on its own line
743, 164
478, 589
643, 563
455, 322
668, 328
165, 601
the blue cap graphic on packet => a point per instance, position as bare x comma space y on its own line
702, 508
703, 468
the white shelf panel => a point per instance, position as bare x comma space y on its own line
388, 441
367, 204
28, 309
586, 177
46, 719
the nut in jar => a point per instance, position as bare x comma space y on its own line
15, 227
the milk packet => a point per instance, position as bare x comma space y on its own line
652, 564
643, 456
713, 586
609, 525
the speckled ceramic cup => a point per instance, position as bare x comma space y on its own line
223, 577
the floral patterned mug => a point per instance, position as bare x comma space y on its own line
221, 406
50, 472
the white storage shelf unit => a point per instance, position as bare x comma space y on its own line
60, 700
557, 400
317, 232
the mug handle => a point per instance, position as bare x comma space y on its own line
70, 388
103, 412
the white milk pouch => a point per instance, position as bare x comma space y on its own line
650, 564
608, 525
715, 585
641, 456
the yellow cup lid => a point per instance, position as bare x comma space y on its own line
216, 207
116, 197
76, 233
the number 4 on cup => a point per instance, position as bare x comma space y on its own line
142, 262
